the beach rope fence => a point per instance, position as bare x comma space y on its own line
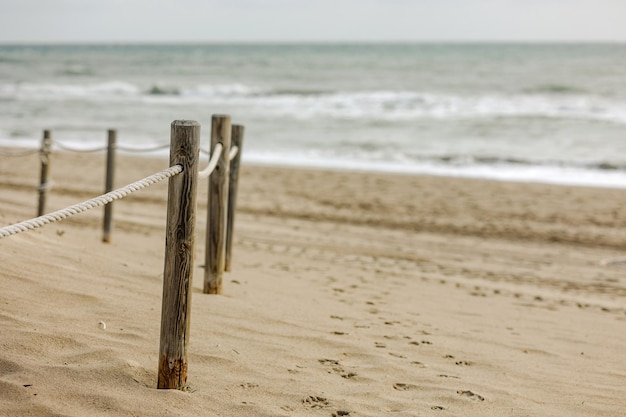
88, 204
183, 174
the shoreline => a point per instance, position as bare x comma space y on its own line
354, 292
604, 178
611, 178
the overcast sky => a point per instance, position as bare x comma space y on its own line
311, 20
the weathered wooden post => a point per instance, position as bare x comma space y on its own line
217, 208
179, 256
108, 186
44, 155
236, 140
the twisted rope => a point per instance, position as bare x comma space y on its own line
70, 149
233, 153
19, 153
156, 148
89, 204
215, 156
118, 147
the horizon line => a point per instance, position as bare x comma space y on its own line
310, 42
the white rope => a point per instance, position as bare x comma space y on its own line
233, 153
155, 148
69, 148
89, 204
45, 186
215, 156
19, 153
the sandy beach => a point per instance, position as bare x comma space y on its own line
351, 294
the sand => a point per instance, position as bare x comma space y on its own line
353, 294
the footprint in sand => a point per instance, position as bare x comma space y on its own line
471, 395
404, 387
328, 361
335, 367
313, 401
448, 376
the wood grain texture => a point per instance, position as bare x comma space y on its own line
108, 186
179, 256
46, 148
236, 140
217, 208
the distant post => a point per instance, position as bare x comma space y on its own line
217, 208
108, 186
179, 256
236, 141
44, 155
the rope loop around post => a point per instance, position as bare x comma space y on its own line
45, 186
217, 207
215, 156
233, 153
44, 157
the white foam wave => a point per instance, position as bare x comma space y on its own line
68, 91
547, 174
359, 105
406, 106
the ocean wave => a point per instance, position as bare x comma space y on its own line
60, 92
380, 151
349, 105
495, 161
407, 106
555, 89
76, 71
298, 92
225, 91
508, 169
156, 90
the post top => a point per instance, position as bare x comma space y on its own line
185, 123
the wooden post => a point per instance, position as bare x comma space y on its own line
236, 140
179, 256
108, 186
217, 208
44, 155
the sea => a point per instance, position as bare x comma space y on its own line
536, 112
